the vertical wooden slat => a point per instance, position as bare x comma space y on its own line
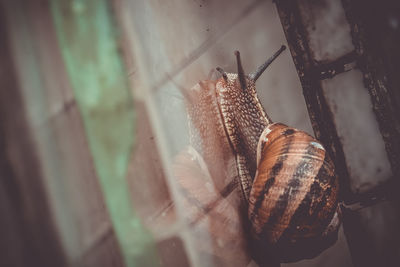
88, 42
370, 231
70, 182
365, 27
373, 238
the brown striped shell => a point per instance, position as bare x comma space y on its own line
293, 198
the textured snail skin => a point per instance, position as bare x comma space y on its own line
244, 120
244, 117
293, 198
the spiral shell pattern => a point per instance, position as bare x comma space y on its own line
294, 195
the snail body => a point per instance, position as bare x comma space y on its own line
287, 182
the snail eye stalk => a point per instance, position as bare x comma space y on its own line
257, 73
241, 75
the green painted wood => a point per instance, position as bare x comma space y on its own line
88, 40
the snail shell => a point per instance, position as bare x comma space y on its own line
293, 198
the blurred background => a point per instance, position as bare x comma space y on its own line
95, 138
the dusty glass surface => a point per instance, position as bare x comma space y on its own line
175, 45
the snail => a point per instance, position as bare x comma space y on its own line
286, 180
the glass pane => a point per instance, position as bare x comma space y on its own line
175, 45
